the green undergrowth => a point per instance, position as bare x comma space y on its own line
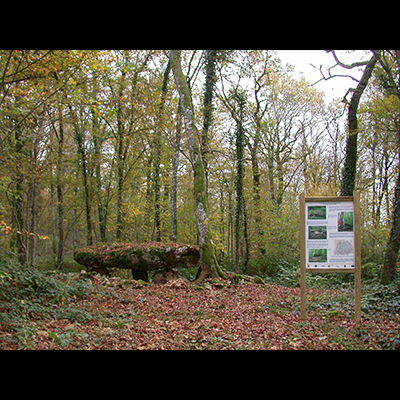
44, 309
27, 294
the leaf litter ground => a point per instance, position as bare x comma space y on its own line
119, 314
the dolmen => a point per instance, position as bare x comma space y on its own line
140, 258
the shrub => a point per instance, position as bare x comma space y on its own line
382, 298
26, 293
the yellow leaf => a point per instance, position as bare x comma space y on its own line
22, 302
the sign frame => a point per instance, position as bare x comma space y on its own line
304, 217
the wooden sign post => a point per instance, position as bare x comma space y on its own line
330, 241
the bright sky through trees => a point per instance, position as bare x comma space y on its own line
307, 63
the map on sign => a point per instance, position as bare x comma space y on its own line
330, 235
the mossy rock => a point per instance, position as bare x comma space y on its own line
138, 257
259, 281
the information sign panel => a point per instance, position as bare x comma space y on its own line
330, 235
330, 241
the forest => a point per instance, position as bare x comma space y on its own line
206, 147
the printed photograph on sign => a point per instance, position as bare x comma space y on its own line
346, 222
317, 213
318, 233
318, 256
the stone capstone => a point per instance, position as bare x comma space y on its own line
140, 258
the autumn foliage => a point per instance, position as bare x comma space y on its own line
104, 146
72, 311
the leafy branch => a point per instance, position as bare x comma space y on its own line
4, 227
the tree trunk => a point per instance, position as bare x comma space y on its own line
32, 212
392, 253
257, 202
121, 159
19, 219
174, 185
101, 201
211, 78
60, 190
157, 150
209, 263
80, 141
241, 214
17, 201
120, 195
350, 168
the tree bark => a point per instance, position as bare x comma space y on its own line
18, 199
60, 190
350, 168
174, 185
392, 253
211, 78
79, 138
101, 201
98, 141
157, 150
121, 135
209, 263
241, 214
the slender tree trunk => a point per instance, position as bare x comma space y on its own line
101, 207
83, 163
174, 185
120, 198
209, 263
392, 253
60, 191
17, 201
157, 149
54, 223
350, 168
121, 162
257, 202
211, 78
19, 219
31, 219
60, 224
87, 204
241, 222
157, 186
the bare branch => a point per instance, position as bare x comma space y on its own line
340, 64
2, 83
327, 78
346, 66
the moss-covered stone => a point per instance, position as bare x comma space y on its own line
140, 258
259, 281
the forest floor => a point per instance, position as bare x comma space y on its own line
108, 314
